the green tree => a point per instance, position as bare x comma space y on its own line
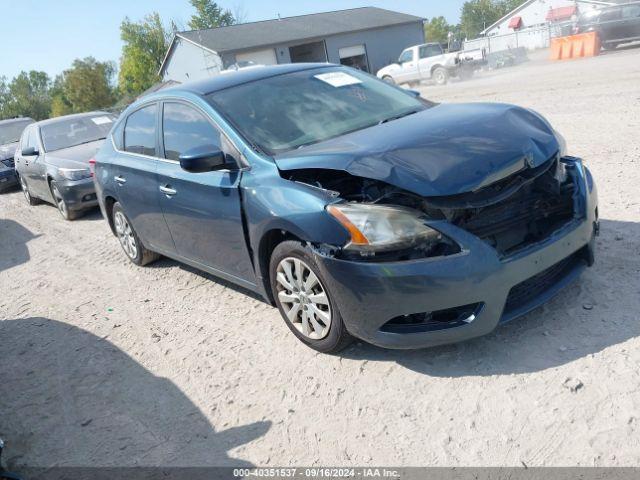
145, 45
437, 30
209, 15
478, 15
27, 95
85, 86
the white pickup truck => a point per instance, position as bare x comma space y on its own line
429, 61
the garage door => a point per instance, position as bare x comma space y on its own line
262, 57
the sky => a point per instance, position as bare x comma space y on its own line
48, 35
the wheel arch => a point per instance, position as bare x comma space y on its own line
109, 202
267, 244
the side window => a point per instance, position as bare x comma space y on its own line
32, 141
406, 56
427, 51
632, 11
117, 135
24, 141
29, 139
140, 131
610, 15
185, 128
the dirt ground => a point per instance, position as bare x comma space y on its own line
105, 363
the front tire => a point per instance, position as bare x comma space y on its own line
129, 240
27, 194
389, 79
304, 300
62, 206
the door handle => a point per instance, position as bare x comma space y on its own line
120, 180
168, 191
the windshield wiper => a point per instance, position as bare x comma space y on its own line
396, 117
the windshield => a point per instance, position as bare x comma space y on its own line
10, 132
288, 111
74, 131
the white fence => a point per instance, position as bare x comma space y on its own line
531, 39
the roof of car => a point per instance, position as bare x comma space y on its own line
220, 82
69, 117
14, 120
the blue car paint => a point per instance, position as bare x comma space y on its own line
425, 153
477, 274
370, 294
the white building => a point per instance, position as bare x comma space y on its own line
531, 25
532, 14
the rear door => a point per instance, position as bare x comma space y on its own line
134, 173
203, 210
611, 24
430, 55
631, 19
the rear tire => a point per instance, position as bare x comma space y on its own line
306, 304
25, 189
440, 76
129, 240
610, 46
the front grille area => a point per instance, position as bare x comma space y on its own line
533, 287
8, 162
527, 216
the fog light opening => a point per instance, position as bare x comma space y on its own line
433, 321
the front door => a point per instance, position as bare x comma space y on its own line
202, 210
409, 64
33, 167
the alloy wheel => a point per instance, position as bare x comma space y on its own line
125, 235
60, 203
303, 298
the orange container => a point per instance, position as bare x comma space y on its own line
575, 46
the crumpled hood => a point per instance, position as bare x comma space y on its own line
74, 157
445, 150
8, 150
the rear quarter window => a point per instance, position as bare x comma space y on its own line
140, 131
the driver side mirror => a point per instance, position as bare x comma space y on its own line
204, 159
30, 152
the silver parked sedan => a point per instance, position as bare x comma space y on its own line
53, 160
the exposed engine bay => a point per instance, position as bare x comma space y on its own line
510, 214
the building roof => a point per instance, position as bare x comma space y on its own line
289, 29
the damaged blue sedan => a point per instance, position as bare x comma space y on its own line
357, 208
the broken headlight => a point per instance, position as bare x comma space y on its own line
376, 228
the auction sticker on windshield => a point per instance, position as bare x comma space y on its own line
338, 79
101, 120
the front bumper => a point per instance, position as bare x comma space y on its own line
78, 194
369, 295
8, 178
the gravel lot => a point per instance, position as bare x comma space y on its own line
105, 363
